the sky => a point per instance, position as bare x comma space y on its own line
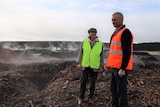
69, 20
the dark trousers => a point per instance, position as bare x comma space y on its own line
119, 89
84, 78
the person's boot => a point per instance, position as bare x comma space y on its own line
80, 101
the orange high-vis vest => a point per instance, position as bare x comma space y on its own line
115, 52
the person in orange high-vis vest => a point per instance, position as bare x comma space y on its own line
119, 60
116, 52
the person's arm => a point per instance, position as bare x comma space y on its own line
102, 59
126, 40
80, 55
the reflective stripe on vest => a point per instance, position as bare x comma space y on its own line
91, 56
117, 43
115, 53
119, 51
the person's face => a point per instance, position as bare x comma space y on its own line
116, 21
92, 34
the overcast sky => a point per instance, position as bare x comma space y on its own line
69, 20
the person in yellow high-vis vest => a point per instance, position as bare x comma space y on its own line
119, 60
91, 60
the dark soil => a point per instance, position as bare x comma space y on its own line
50, 84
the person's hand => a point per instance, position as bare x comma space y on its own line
121, 73
106, 67
79, 65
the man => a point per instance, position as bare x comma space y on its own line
119, 60
90, 60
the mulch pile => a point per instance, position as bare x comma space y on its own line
50, 84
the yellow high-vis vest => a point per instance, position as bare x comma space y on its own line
91, 56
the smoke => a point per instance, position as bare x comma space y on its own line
30, 52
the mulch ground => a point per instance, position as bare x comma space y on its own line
51, 84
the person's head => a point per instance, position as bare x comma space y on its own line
92, 33
117, 19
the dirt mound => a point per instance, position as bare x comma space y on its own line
8, 55
51, 84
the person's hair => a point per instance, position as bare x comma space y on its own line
120, 15
92, 29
